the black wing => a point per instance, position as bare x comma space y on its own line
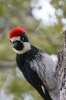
45, 68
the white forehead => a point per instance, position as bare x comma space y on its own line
15, 38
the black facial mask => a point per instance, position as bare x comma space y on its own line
18, 45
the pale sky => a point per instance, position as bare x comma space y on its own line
43, 10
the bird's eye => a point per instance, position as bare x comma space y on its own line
23, 39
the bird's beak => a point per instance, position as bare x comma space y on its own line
18, 45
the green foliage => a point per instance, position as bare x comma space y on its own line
19, 87
1, 9
6, 52
2, 80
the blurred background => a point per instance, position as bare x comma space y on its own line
44, 22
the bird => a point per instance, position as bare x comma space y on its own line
36, 65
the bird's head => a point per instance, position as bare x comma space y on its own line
19, 40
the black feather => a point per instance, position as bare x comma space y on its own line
23, 62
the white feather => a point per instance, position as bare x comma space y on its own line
15, 38
26, 48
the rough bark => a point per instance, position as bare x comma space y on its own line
62, 71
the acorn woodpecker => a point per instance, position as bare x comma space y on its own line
37, 66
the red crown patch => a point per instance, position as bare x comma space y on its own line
16, 32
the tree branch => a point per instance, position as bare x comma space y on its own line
9, 64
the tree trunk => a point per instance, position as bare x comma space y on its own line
62, 71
